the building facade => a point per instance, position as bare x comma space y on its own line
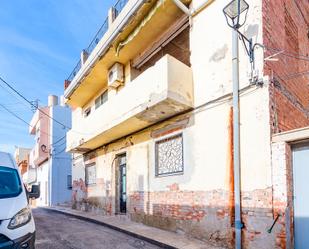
21, 156
152, 120
51, 164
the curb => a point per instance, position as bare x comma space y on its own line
135, 235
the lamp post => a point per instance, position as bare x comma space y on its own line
232, 14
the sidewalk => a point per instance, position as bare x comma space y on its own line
153, 235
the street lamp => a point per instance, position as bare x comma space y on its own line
233, 11
232, 14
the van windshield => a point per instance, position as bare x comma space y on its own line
10, 185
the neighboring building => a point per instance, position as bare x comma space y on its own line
51, 163
152, 121
22, 159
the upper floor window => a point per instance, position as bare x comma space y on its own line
101, 99
169, 155
87, 112
37, 134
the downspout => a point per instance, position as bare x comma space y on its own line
183, 7
236, 140
192, 12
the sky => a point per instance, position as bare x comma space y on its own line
40, 44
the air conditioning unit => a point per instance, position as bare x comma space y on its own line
115, 75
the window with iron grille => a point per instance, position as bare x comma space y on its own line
91, 174
169, 156
101, 99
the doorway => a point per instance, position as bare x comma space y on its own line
122, 176
301, 196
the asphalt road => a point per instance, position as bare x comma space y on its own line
58, 231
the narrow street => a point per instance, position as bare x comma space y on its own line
58, 231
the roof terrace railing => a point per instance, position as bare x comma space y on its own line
101, 32
118, 7
74, 72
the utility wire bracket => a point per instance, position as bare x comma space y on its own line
271, 57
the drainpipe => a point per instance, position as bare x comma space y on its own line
183, 7
236, 139
191, 12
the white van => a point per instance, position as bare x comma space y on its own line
17, 229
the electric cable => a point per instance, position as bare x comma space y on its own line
59, 152
57, 146
59, 139
31, 104
21, 119
289, 54
40, 110
15, 115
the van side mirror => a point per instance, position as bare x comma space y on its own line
35, 192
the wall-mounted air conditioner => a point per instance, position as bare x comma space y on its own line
115, 75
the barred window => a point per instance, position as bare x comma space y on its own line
169, 155
91, 174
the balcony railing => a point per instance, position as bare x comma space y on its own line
118, 7
98, 37
75, 71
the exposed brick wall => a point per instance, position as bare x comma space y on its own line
179, 48
205, 215
94, 198
285, 27
200, 214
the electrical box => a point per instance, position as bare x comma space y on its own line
116, 75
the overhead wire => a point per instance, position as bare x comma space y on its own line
31, 103
36, 107
22, 120
288, 54
59, 140
59, 152
15, 115
55, 147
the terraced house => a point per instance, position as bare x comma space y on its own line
152, 132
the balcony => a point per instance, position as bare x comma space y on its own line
160, 92
90, 75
